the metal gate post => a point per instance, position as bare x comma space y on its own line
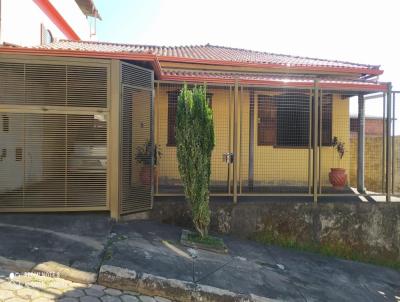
115, 141
315, 142
388, 142
235, 140
361, 145
393, 142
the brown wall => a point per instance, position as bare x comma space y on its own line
373, 163
372, 126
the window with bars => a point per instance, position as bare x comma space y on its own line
283, 120
172, 107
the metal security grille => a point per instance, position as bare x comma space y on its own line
396, 143
53, 136
275, 141
283, 141
137, 139
167, 178
53, 160
53, 85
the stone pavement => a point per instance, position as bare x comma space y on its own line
39, 288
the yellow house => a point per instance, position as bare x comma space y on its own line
96, 111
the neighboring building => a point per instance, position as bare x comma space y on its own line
76, 115
374, 126
36, 22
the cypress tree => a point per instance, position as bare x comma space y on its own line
195, 142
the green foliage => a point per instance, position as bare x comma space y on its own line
195, 142
337, 249
339, 146
208, 240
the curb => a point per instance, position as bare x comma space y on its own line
184, 291
66, 272
19, 266
50, 267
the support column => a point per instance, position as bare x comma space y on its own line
361, 145
315, 142
389, 143
235, 141
114, 141
251, 142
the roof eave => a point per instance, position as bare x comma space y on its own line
269, 66
76, 53
379, 87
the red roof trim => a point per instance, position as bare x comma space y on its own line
80, 54
130, 55
147, 57
57, 19
270, 83
274, 66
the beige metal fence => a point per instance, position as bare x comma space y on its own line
53, 135
284, 141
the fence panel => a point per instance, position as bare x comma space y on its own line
276, 141
396, 144
343, 151
220, 99
137, 145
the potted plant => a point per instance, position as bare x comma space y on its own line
144, 156
338, 176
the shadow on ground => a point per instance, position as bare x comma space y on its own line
75, 240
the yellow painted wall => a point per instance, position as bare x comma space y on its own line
168, 167
272, 165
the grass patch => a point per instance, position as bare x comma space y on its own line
337, 249
208, 240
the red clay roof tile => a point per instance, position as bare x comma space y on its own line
205, 52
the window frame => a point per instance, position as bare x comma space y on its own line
262, 138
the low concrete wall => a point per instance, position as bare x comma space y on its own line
370, 230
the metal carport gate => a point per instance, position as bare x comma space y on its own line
53, 134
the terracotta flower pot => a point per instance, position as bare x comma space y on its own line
338, 178
145, 175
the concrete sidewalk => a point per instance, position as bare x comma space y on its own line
74, 240
145, 253
250, 268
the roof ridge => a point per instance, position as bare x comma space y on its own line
125, 44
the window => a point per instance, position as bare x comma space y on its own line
172, 107
283, 120
6, 123
266, 121
18, 154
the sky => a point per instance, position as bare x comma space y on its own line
360, 31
